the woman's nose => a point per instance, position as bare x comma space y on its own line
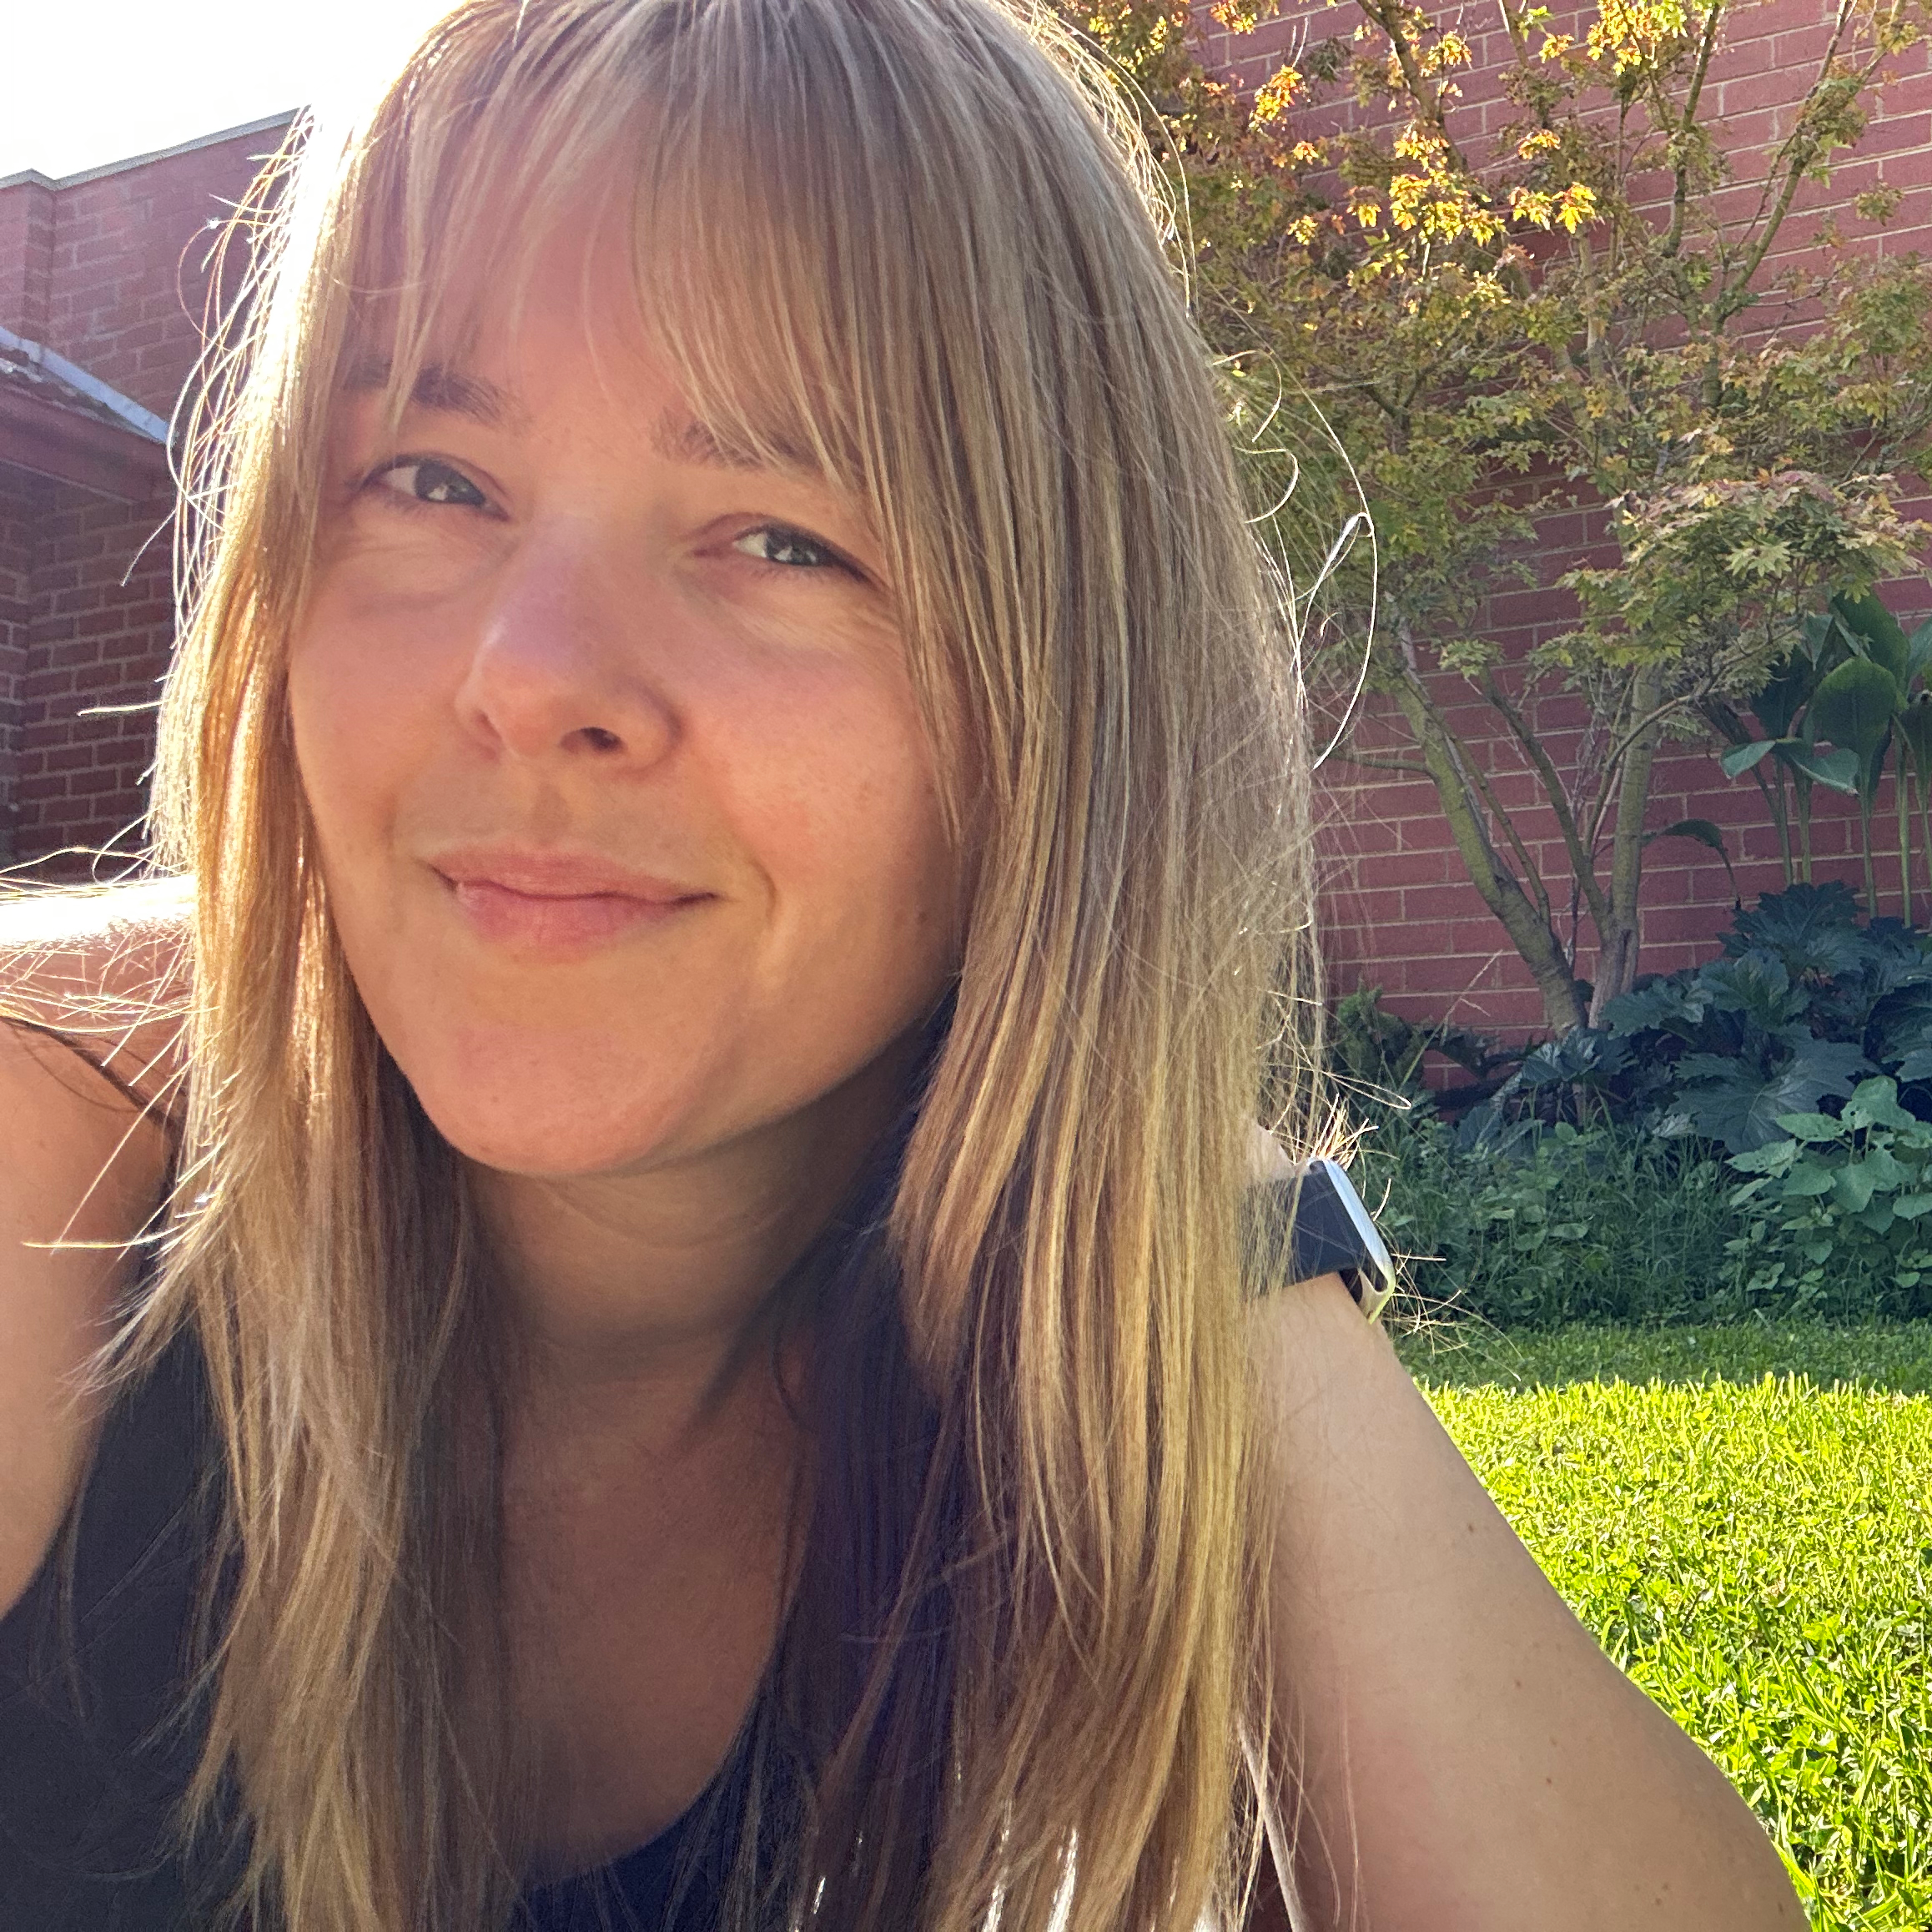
563, 666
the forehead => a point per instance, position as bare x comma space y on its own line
508, 318
513, 336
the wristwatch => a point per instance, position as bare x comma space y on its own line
1329, 1233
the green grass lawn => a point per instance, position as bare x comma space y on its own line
1743, 1515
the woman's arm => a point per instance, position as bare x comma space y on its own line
1469, 1759
82, 1159
80, 1172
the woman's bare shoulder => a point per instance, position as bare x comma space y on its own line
83, 1156
105, 968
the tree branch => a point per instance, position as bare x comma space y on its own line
1618, 941
1375, 764
1581, 866
1796, 154
1388, 14
1499, 889
1474, 780
1680, 174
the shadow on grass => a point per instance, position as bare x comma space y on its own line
1462, 1352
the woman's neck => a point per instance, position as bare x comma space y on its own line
658, 1280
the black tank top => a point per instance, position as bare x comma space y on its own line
99, 1732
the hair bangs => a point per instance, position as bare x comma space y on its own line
699, 134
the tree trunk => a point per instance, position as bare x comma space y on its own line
1534, 938
1620, 939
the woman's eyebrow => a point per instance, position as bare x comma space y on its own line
680, 438
448, 390
683, 439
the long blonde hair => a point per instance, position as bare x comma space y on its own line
911, 244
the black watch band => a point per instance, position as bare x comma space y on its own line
1329, 1233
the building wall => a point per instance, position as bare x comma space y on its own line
20, 503
1398, 909
112, 269
102, 630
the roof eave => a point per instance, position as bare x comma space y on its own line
65, 446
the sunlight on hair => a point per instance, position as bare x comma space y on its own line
934, 267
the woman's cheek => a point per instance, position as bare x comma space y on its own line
835, 794
358, 707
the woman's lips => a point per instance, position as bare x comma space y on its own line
544, 923
558, 905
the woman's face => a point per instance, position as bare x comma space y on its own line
627, 816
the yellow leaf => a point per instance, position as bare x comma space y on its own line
1578, 205
1277, 92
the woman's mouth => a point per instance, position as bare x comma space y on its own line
557, 903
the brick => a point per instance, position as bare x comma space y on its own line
1743, 94
1413, 868
1372, 911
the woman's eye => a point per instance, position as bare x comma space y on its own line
772, 543
423, 480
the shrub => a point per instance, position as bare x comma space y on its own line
1539, 1226
1378, 1055
1804, 1002
1843, 1209
1589, 1183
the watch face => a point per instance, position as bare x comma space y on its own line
1331, 1233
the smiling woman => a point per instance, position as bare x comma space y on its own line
559, 686
735, 779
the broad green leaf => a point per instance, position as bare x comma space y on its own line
1817, 627
1701, 830
1852, 1186
1874, 1103
1774, 1159
1792, 682
1730, 1100
1812, 1126
1795, 915
1914, 724
1886, 1173
1919, 651
1808, 1180
1758, 985
1675, 1005
1853, 707
1902, 1019
1839, 771
1877, 630
1740, 758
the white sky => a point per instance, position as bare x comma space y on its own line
84, 81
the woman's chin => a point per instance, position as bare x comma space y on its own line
549, 1144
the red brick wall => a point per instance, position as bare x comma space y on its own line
129, 272
20, 505
102, 630
110, 269
1398, 910
27, 222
